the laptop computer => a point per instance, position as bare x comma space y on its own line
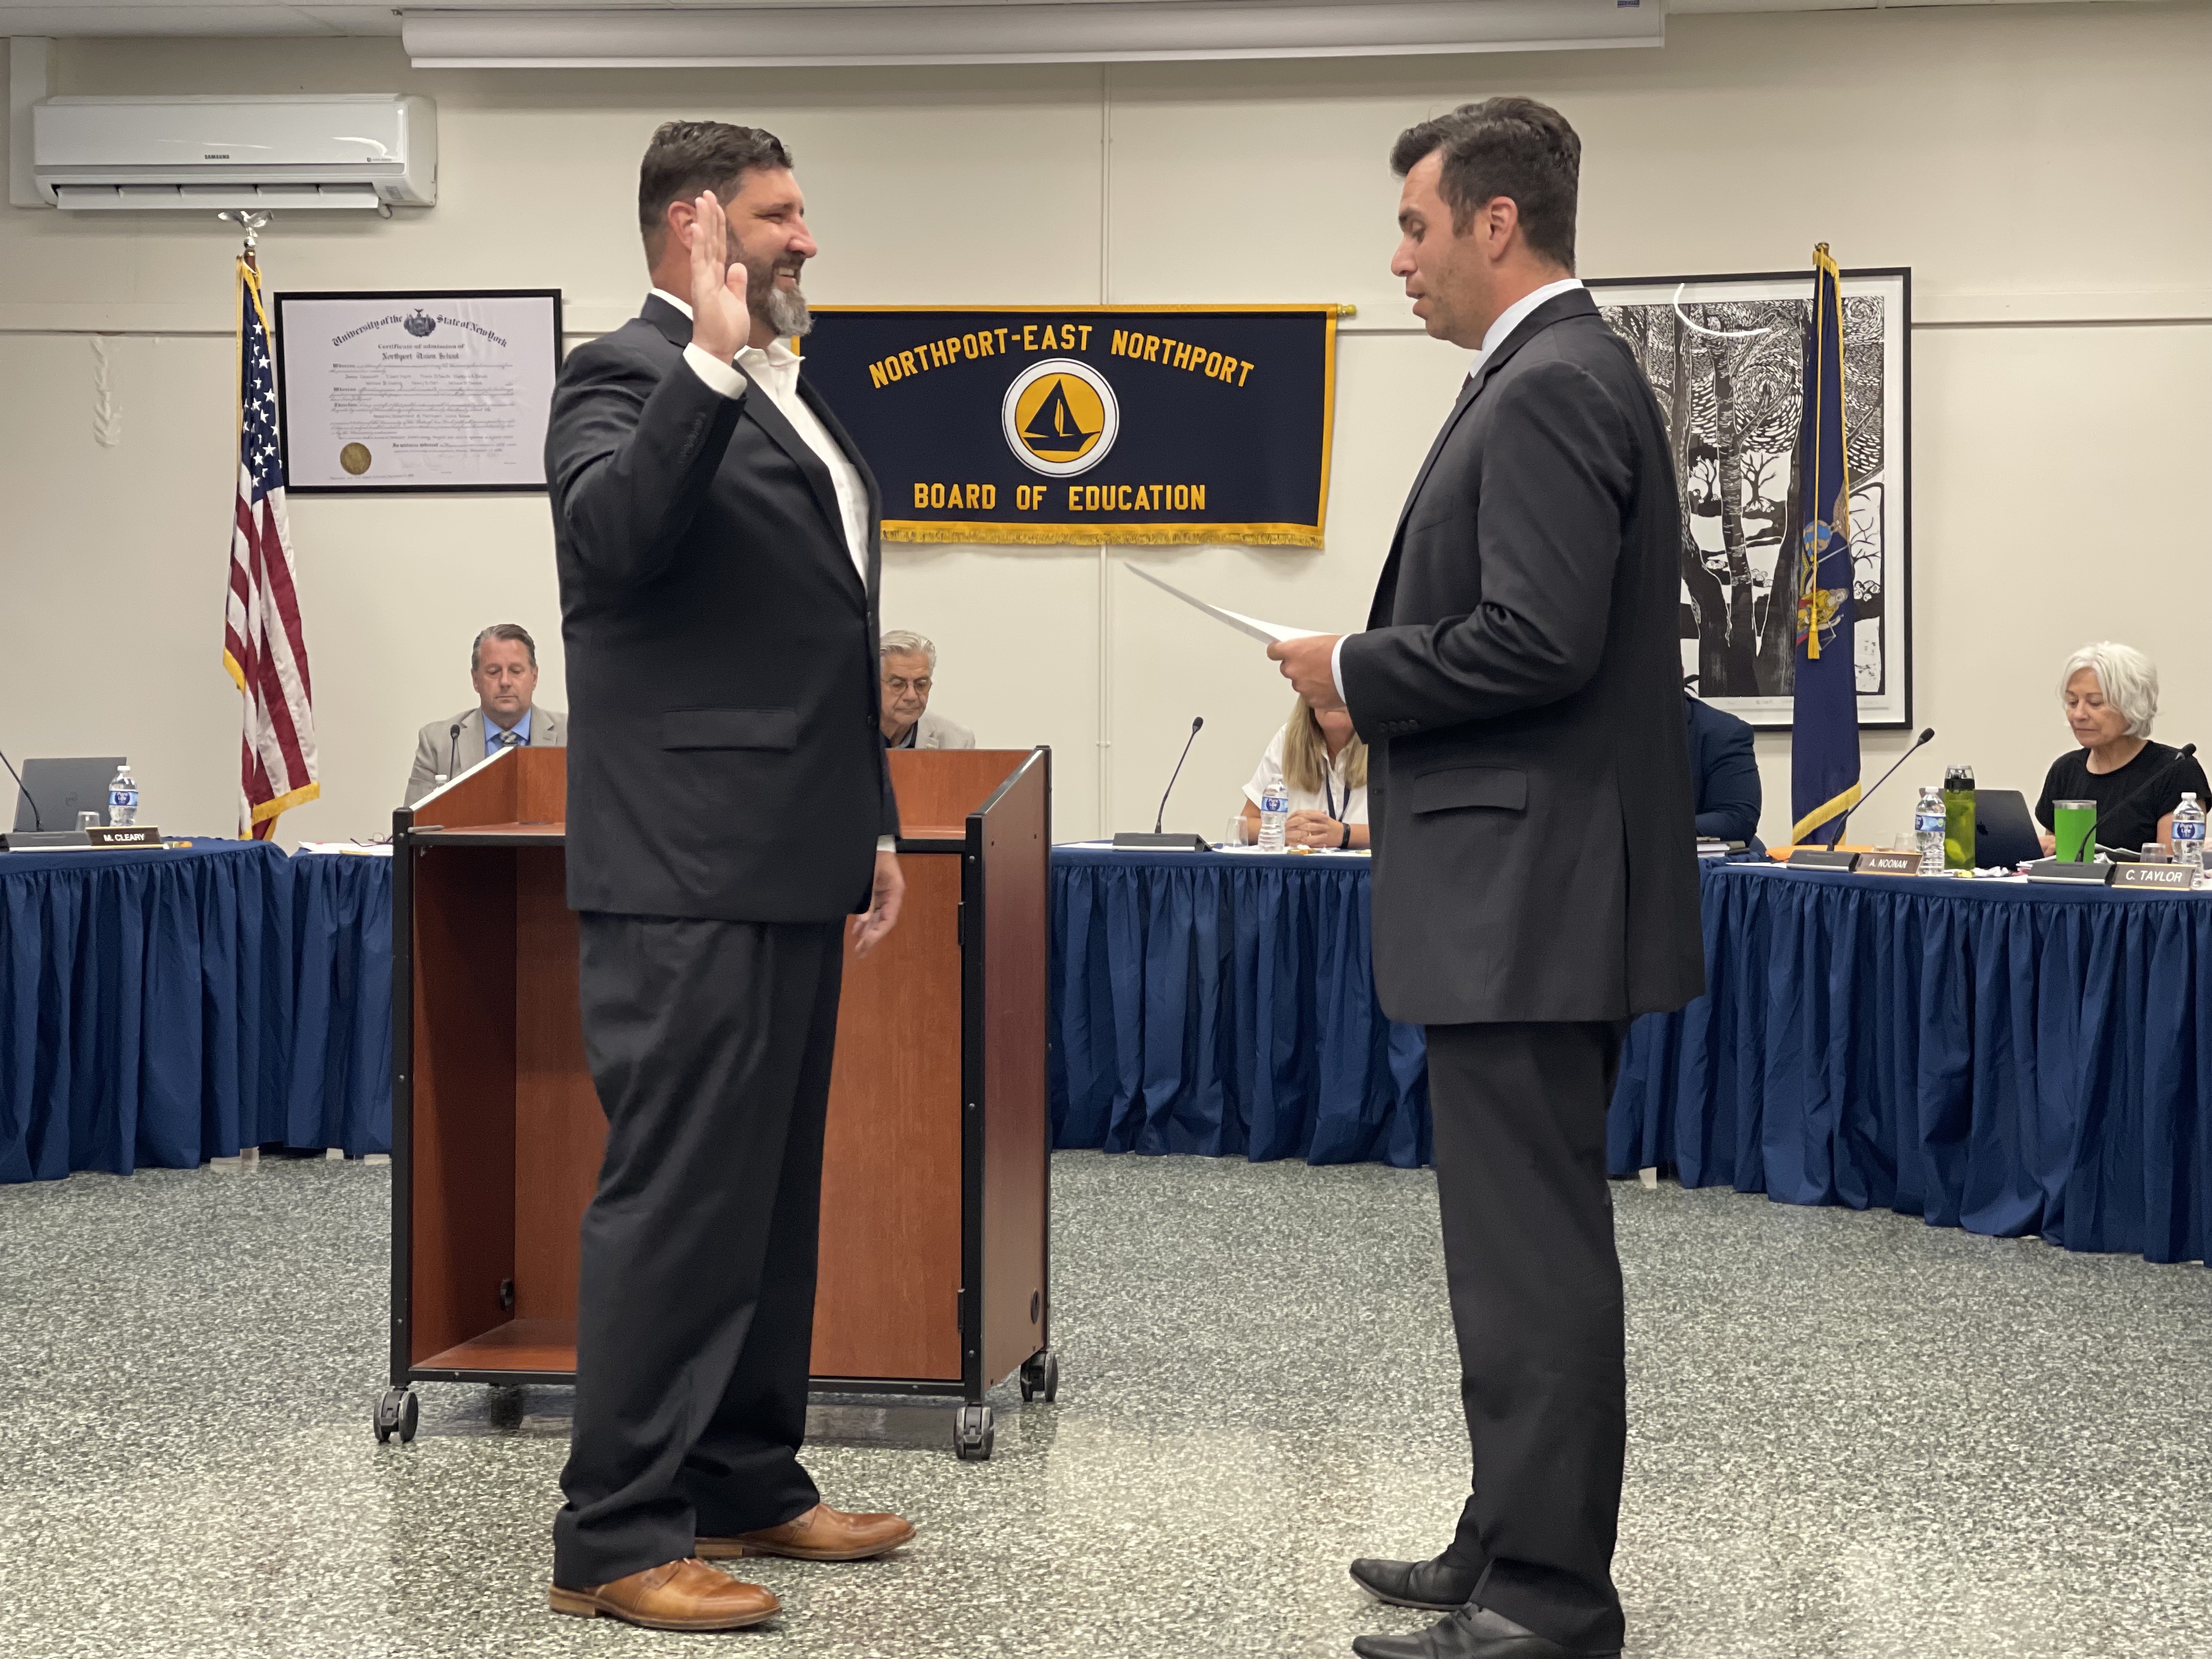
2004, 830
55, 791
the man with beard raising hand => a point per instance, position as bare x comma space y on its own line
729, 805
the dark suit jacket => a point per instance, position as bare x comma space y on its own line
1519, 687
724, 756
1724, 771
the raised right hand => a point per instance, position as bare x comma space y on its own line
721, 322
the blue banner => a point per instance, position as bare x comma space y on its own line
1823, 745
1087, 423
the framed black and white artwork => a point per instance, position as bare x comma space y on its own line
419, 390
1726, 356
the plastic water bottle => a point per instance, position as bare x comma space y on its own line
1274, 811
1928, 823
123, 798
2189, 832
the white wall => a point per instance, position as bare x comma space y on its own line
2046, 170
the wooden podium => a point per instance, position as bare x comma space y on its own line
936, 1172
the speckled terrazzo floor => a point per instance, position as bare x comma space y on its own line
1853, 1436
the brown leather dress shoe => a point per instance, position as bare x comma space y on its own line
821, 1535
674, 1596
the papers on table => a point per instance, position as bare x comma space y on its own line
1272, 633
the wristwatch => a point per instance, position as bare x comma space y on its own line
1345, 846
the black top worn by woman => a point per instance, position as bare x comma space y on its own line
2129, 801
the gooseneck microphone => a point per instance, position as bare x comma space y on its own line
1926, 737
453, 748
38, 823
1157, 840
1161, 816
2137, 793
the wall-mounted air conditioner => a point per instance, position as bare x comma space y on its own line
342, 150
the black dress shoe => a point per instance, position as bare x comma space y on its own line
1470, 1633
1434, 1586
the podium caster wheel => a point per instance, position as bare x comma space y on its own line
1041, 1375
973, 1432
396, 1412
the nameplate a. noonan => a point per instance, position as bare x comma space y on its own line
1889, 864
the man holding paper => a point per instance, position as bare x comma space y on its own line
1536, 874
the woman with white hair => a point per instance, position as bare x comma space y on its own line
2111, 694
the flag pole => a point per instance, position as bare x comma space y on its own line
264, 646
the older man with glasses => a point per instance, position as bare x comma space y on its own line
909, 666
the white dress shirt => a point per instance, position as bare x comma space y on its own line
774, 369
1492, 338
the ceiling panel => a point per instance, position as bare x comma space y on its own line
319, 18
189, 17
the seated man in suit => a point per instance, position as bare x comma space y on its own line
503, 665
908, 663
1724, 770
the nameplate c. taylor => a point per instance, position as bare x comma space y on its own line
2154, 878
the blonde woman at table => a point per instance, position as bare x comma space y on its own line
1324, 765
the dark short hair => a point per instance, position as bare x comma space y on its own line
503, 631
1513, 147
686, 157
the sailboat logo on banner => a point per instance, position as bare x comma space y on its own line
1060, 417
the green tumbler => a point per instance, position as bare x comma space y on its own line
2074, 825
1959, 819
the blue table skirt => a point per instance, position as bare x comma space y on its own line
161, 1007
2003, 1058
2009, 1060
338, 1092
1223, 1003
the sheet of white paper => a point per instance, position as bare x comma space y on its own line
1269, 631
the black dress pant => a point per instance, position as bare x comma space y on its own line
1536, 1303
710, 1043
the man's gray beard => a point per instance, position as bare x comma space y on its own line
784, 310
787, 313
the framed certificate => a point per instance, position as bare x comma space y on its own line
421, 390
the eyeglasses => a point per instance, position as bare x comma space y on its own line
893, 682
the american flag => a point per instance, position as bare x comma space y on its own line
263, 645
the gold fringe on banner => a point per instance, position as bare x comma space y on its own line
1104, 535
